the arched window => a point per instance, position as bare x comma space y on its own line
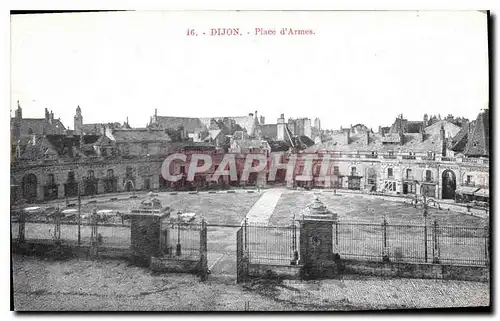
90, 174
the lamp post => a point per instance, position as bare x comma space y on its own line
425, 227
435, 250
79, 214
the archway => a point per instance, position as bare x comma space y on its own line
371, 179
449, 184
29, 187
129, 186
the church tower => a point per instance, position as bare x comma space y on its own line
78, 120
16, 124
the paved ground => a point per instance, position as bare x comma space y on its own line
113, 285
262, 210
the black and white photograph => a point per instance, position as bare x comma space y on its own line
250, 161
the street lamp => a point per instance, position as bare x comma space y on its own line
425, 202
425, 226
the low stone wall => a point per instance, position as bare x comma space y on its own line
416, 270
293, 272
332, 270
174, 265
68, 250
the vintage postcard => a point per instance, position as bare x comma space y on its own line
250, 161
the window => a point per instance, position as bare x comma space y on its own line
335, 170
469, 179
50, 179
129, 172
90, 174
110, 173
390, 172
71, 176
391, 153
390, 186
144, 148
428, 175
408, 174
353, 171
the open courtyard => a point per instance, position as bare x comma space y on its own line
359, 234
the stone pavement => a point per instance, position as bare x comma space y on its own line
264, 207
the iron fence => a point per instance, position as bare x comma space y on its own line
180, 239
427, 243
268, 244
431, 243
85, 232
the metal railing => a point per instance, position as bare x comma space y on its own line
266, 244
109, 235
412, 243
181, 239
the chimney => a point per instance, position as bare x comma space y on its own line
442, 132
380, 131
347, 136
70, 147
401, 137
156, 116
443, 140
51, 117
262, 120
47, 115
367, 137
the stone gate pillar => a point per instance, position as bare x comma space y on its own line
145, 236
316, 239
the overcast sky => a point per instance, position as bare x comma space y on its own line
359, 67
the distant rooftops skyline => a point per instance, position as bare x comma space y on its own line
68, 124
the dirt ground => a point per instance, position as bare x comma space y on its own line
47, 285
